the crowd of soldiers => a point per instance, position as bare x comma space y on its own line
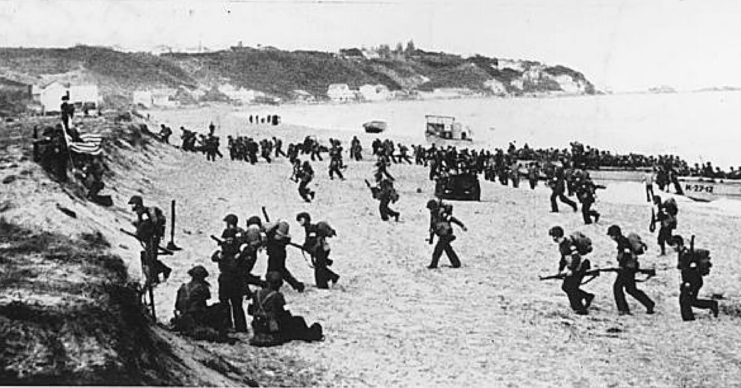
564, 171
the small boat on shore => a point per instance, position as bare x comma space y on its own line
710, 189
375, 126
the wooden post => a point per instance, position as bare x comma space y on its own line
171, 245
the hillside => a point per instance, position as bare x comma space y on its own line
278, 74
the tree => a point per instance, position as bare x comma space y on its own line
410, 48
384, 51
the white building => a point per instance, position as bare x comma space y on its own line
375, 92
50, 95
155, 98
340, 93
496, 87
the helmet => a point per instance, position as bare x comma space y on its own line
198, 272
303, 215
556, 231
136, 199
614, 230
282, 230
254, 220
231, 219
432, 204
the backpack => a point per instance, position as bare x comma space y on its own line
636, 244
702, 258
582, 243
158, 220
670, 205
261, 322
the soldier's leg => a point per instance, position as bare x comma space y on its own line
685, 303
224, 299
292, 281
570, 286
452, 256
236, 300
567, 201
554, 205
585, 212
617, 290
437, 252
632, 290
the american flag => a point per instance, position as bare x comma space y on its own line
90, 143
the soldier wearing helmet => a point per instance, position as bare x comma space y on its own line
441, 217
316, 244
572, 267
277, 238
150, 227
626, 276
231, 283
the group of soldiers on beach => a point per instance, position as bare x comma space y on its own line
565, 173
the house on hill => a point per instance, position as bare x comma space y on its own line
340, 93
299, 95
374, 92
50, 95
14, 90
352, 53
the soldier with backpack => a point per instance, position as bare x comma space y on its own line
193, 316
627, 257
272, 323
150, 228
693, 264
573, 267
305, 176
277, 239
441, 217
231, 286
666, 215
316, 244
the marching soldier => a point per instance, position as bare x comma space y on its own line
693, 264
572, 267
316, 244
277, 239
558, 187
441, 218
625, 280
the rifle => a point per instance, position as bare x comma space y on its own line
309, 262
652, 226
593, 273
374, 190
163, 250
218, 240
265, 213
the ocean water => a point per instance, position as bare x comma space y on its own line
699, 127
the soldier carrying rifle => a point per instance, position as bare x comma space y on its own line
150, 227
572, 268
627, 257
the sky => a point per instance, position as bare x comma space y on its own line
620, 45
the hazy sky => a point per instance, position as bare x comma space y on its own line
622, 45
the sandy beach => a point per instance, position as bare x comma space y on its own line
392, 322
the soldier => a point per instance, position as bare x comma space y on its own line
387, 194
558, 187
441, 218
356, 149
403, 153
272, 323
192, 313
335, 162
586, 194
68, 112
572, 267
165, 133
316, 244
305, 176
693, 264
381, 171
277, 239
533, 172
231, 287
625, 280
278, 147
150, 227
666, 215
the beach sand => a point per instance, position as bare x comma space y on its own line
390, 321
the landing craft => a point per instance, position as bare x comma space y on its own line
375, 126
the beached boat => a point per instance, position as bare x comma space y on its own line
445, 129
375, 126
619, 174
709, 189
